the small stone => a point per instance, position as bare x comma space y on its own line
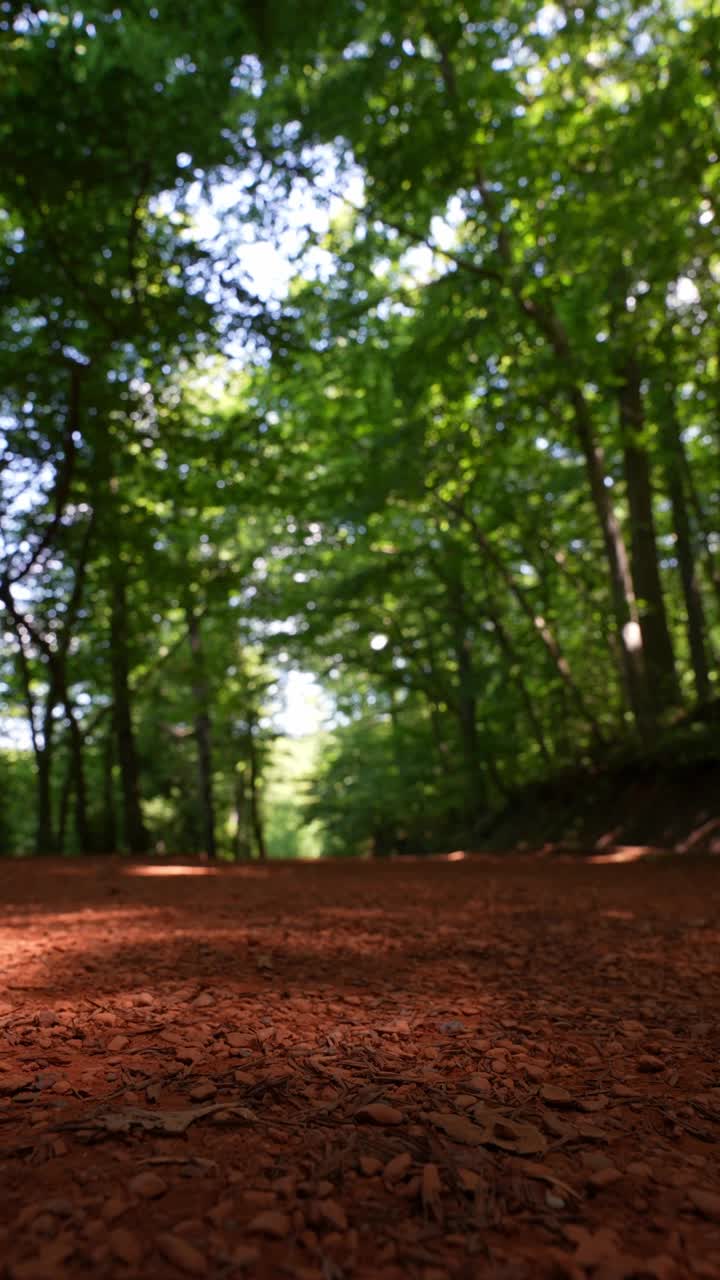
118, 1043
370, 1166
204, 1000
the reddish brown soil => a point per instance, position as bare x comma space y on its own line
486, 1068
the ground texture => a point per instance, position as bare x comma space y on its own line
481, 1068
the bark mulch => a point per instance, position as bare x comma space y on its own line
480, 1068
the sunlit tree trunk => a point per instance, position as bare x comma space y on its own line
664, 690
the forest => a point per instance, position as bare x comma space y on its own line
373, 347
360, 620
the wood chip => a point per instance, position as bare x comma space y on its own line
182, 1254
380, 1113
271, 1223
149, 1186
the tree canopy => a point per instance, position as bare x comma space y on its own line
377, 342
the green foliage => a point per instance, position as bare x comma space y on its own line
464, 472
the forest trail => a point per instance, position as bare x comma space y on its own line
354, 1071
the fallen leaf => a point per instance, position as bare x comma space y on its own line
370, 1166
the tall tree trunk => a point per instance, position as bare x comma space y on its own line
76, 767
42, 743
45, 839
109, 821
135, 832
255, 811
465, 694
515, 668
241, 842
203, 730
673, 462
65, 794
664, 690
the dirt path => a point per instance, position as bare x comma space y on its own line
428, 1070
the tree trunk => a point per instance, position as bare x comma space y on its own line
203, 731
65, 795
78, 780
664, 690
673, 461
543, 315
241, 843
135, 833
539, 624
465, 695
515, 663
109, 826
255, 811
45, 840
